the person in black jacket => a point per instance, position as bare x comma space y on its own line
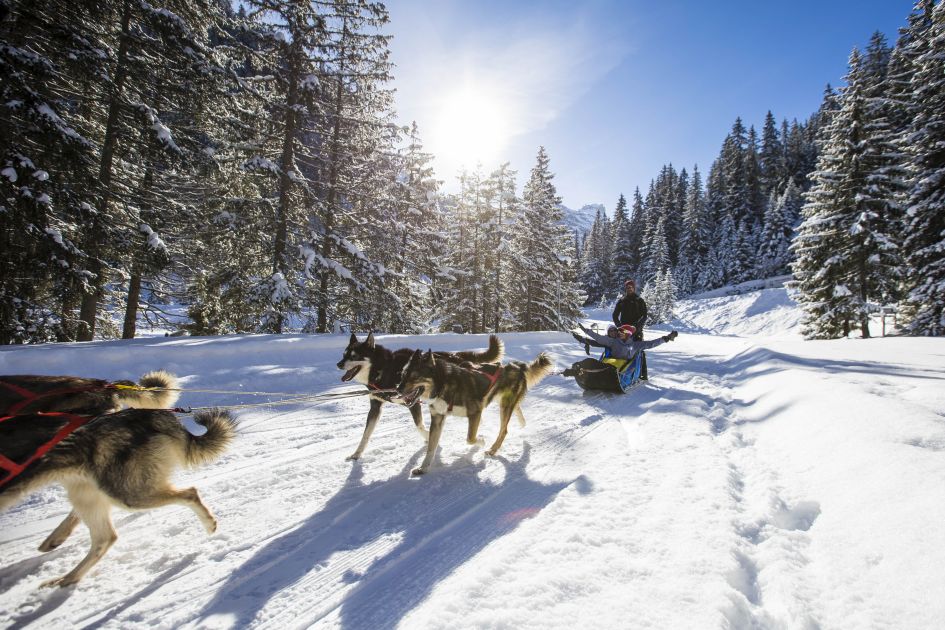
631, 309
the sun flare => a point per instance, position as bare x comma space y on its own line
471, 127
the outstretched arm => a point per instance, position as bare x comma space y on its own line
652, 343
604, 340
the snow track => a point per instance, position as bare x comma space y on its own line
723, 493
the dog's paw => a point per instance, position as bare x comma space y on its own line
416, 472
49, 545
211, 526
65, 580
491, 452
353, 457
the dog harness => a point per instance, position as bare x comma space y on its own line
493, 378
74, 421
29, 397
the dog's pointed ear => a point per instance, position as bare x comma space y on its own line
353, 340
370, 340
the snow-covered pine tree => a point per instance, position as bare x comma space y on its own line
507, 208
756, 194
781, 218
551, 298
461, 300
925, 216
619, 225
696, 232
660, 297
833, 254
771, 158
650, 217
413, 263
110, 64
877, 230
630, 245
47, 167
355, 174
597, 261
183, 122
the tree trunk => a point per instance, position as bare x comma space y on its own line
287, 162
322, 324
131, 308
90, 299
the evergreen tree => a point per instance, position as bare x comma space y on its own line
551, 299
597, 268
834, 248
925, 218
695, 236
629, 249
618, 262
771, 158
781, 217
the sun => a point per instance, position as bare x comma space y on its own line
471, 127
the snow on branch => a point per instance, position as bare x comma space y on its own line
154, 241
260, 163
161, 131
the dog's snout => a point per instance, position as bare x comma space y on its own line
341, 364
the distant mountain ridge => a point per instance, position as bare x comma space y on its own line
581, 220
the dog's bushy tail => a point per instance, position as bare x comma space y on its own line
161, 395
538, 369
206, 448
493, 353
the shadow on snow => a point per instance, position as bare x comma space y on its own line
436, 524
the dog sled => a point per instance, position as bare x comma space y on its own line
607, 373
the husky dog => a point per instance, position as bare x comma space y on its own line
457, 390
24, 394
378, 368
124, 459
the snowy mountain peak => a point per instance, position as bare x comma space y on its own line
581, 220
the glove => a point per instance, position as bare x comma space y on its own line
582, 340
670, 336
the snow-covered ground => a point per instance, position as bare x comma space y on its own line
756, 481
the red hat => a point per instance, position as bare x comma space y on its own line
628, 329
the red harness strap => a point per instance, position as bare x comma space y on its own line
13, 469
29, 397
495, 377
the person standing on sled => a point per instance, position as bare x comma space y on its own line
631, 309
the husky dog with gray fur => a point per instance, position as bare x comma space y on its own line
89, 396
457, 390
23, 394
375, 366
124, 459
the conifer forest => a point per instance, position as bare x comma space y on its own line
245, 160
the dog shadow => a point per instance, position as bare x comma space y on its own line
432, 526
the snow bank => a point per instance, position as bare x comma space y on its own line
756, 481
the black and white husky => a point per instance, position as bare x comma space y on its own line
457, 390
378, 368
124, 458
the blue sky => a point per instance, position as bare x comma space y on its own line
612, 89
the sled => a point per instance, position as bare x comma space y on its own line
608, 374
